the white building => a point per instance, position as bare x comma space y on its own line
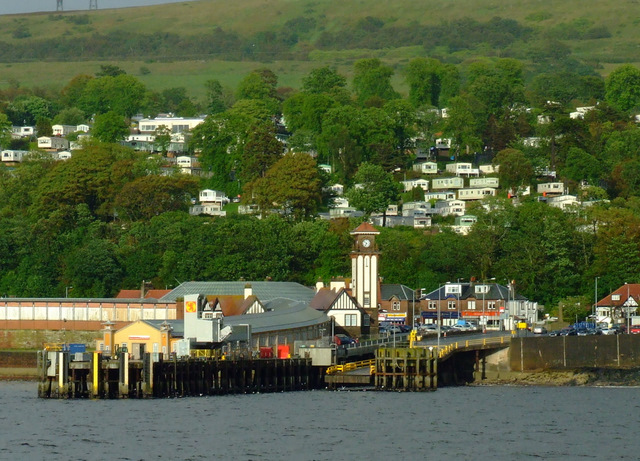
450, 207
455, 182
426, 167
490, 181
174, 124
464, 223
13, 156
462, 169
410, 184
563, 202
476, 193
63, 130
52, 143
551, 188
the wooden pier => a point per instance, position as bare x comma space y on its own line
67, 376
406, 369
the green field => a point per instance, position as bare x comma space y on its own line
246, 17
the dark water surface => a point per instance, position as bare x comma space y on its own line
470, 423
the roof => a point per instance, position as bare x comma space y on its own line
323, 299
626, 291
496, 291
285, 315
365, 228
264, 291
402, 292
231, 305
135, 294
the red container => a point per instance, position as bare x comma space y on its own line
284, 351
266, 353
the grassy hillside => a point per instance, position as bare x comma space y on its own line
601, 34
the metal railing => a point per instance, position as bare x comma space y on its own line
352, 366
447, 349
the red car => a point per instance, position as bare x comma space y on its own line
635, 330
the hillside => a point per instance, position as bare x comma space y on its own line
227, 39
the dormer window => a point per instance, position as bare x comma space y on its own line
615, 297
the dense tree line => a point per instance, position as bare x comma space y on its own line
110, 217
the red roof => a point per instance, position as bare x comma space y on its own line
630, 290
365, 228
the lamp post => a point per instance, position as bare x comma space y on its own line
595, 305
67, 290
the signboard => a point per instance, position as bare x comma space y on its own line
139, 337
190, 306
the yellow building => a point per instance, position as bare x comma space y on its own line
140, 337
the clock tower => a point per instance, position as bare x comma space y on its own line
364, 266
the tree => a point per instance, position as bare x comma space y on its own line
215, 97
123, 94
260, 152
374, 189
622, 88
372, 81
43, 127
109, 127
424, 79
323, 80
5, 130
109, 70
292, 185
515, 169
152, 195
162, 140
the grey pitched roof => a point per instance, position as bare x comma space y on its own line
496, 291
176, 325
403, 292
264, 291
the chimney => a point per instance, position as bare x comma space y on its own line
248, 291
319, 285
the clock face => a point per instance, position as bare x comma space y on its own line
366, 243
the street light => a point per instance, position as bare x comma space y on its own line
67, 290
595, 305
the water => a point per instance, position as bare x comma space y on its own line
35, 6
467, 423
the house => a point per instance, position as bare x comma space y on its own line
426, 167
336, 303
463, 224
440, 195
490, 181
450, 207
409, 208
173, 124
462, 169
580, 112
211, 203
455, 182
410, 184
476, 193
490, 305
18, 132
417, 220
564, 202
551, 189
399, 304
489, 169
64, 155
63, 130
618, 306
53, 143
13, 156
141, 336
83, 128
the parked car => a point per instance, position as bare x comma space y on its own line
555, 333
539, 330
568, 332
344, 340
405, 328
390, 329
635, 330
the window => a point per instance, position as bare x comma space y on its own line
433, 305
491, 305
615, 297
395, 305
351, 320
367, 300
471, 304
366, 320
451, 305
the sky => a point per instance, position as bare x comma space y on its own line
34, 6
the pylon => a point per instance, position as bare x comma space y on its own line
59, 5
93, 4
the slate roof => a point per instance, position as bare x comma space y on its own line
402, 292
496, 291
323, 299
177, 325
264, 291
